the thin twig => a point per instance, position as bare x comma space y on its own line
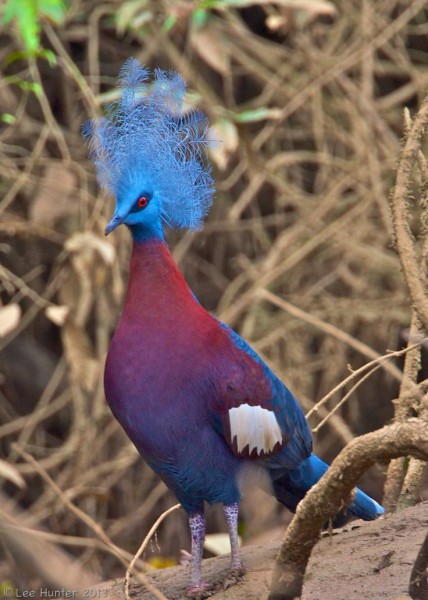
330, 330
115, 550
358, 372
141, 549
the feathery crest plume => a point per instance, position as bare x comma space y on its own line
145, 135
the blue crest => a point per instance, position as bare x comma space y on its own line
146, 135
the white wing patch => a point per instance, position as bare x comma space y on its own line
255, 427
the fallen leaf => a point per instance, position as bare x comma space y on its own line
223, 142
211, 47
130, 16
321, 7
78, 348
10, 316
276, 22
11, 474
218, 543
57, 314
88, 240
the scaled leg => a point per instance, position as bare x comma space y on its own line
197, 529
231, 513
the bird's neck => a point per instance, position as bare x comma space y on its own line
155, 285
147, 232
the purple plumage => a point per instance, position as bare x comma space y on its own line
192, 395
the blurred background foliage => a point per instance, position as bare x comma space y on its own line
306, 98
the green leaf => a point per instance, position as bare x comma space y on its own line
9, 10
48, 55
27, 15
169, 23
213, 4
52, 9
36, 88
132, 15
7, 118
15, 56
29, 26
258, 114
30, 86
199, 17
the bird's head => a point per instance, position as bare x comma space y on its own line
151, 155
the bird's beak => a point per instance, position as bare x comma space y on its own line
115, 222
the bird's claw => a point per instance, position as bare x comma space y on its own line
198, 590
235, 574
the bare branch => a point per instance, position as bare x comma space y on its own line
405, 246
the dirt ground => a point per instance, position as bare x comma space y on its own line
365, 560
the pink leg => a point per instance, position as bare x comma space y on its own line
197, 529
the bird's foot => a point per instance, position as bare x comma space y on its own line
198, 590
235, 574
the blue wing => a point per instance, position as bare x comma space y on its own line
254, 410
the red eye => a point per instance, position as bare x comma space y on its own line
142, 201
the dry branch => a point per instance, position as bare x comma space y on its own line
334, 490
401, 488
400, 200
96, 528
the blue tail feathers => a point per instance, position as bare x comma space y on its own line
290, 486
